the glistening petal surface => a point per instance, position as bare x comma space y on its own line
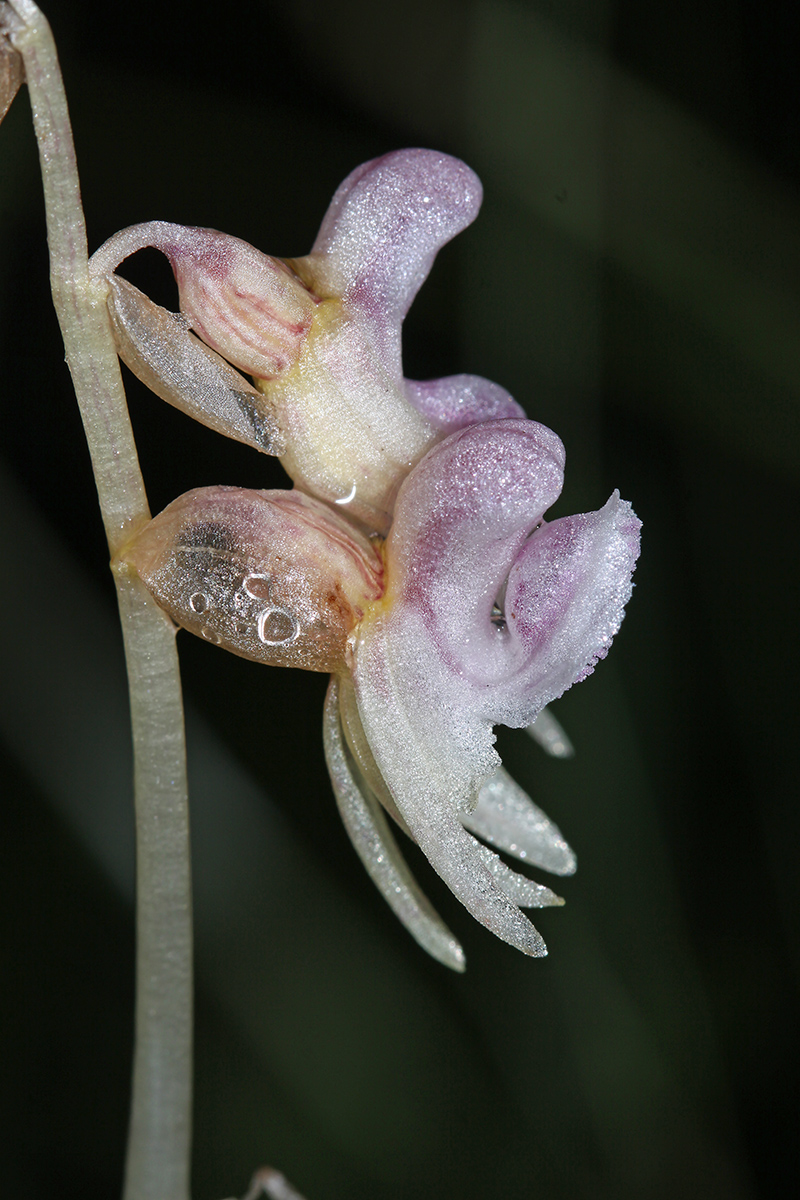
488, 614
159, 348
506, 817
458, 400
382, 231
375, 845
431, 773
564, 603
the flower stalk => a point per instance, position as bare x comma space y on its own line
160, 1130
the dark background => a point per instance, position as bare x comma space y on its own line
633, 280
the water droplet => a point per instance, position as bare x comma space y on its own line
256, 586
277, 627
198, 602
347, 499
210, 635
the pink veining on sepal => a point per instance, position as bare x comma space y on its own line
247, 306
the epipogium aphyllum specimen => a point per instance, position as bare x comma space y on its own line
411, 560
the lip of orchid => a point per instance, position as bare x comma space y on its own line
433, 672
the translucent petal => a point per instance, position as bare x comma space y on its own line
506, 817
160, 350
369, 832
523, 891
459, 644
548, 733
361, 752
273, 576
459, 400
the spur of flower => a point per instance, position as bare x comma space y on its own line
320, 336
473, 612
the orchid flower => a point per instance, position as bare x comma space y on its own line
319, 335
474, 612
469, 614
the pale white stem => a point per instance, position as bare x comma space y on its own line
158, 1152
80, 302
159, 1144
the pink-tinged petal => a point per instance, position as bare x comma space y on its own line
375, 845
565, 601
461, 518
161, 351
430, 651
488, 614
273, 576
249, 307
460, 400
381, 234
506, 817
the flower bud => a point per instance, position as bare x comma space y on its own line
273, 576
247, 305
251, 308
